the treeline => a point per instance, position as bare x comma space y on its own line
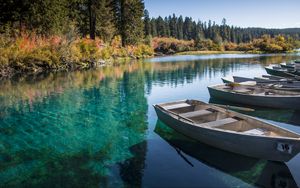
96, 18
264, 44
188, 29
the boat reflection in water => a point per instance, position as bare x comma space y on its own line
252, 171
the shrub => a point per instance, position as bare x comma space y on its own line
246, 47
29, 52
229, 46
208, 45
171, 45
143, 50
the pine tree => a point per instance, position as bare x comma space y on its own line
132, 25
223, 29
173, 26
161, 27
153, 27
180, 28
43, 16
91, 4
147, 27
105, 25
166, 23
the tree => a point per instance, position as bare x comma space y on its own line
92, 18
187, 28
173, 26
161, 27
153, 27
105, 26
180, 28
147, 23
132, 25
166, 23
43, 16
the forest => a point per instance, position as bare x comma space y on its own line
38, 35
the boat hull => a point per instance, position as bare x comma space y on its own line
287, 66
281, 72
276, 72
283, 102
252, 146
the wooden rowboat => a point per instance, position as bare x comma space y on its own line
255, 172
273, 82
237, 79
228, 130
262, 79
279, 71
256, 96
288, 65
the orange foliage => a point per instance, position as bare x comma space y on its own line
172, 45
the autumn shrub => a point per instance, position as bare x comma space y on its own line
230, 46
29, 52
171, 45
142, 50
208, 45
273, 45
246, 47
32, 53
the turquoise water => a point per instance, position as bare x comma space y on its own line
97, 128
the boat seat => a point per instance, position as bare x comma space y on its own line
242, 90
195, 113
257, 131
174, 106
219, 122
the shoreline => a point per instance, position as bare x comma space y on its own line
206, 52
230, 52
9, 72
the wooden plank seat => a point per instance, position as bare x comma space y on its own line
174, 106
195, 113
219, 122
257, 131
242, 90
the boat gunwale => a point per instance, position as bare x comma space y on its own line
173, 115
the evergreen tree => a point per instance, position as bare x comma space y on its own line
166, 23
187, 28
91, 4
132, 25
173, 26
180, 28
105, 25
43, 16
147, 23
153, 27
161, 27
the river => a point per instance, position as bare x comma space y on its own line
97, 128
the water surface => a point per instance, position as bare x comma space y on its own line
97, 128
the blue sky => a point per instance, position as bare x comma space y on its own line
244, 13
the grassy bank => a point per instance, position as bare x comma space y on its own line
29, 53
